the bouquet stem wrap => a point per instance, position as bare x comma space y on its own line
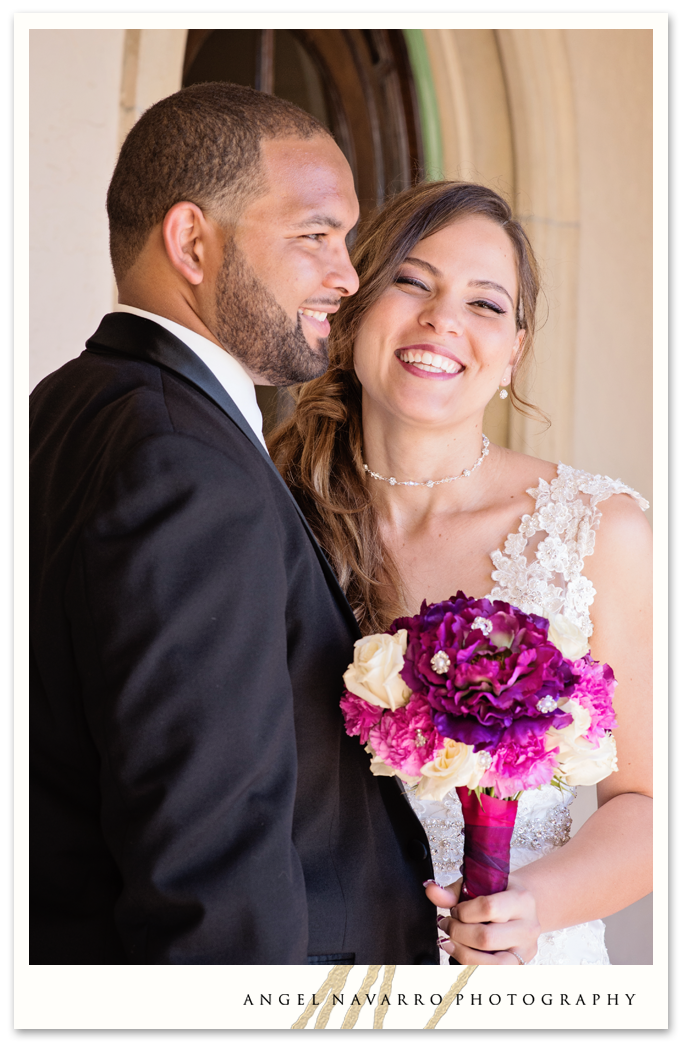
488, 827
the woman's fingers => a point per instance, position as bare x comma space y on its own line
515, 903
470, 957
443, 896
520, 934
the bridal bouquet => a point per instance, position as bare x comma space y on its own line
479, 697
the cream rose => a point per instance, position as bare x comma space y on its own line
572, 643
456, 766
581, 762
374, 674
587, 765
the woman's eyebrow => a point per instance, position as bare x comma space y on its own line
492, 284
424, 265
474, 284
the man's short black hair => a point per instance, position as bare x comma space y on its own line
202, 144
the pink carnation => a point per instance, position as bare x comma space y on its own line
359, 715
406, 738
520, 766
594, 692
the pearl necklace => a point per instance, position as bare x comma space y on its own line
431, 484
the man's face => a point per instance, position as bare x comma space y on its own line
286, 267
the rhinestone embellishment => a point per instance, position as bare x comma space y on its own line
421, 739
485, 759
483, 625
440, 662
546, 705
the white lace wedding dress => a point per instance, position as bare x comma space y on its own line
540, 570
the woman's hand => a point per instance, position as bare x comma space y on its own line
488, 930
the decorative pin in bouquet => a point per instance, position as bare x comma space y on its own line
476, 696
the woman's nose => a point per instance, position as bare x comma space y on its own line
442, 317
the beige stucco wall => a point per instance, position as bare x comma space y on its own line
611, 76
74, 95
87, 88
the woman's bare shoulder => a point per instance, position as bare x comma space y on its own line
522, 472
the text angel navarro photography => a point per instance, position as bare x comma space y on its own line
435, 999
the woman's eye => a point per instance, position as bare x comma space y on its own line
314, 236
488, 306
411, 281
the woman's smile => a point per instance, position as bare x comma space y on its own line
429, 361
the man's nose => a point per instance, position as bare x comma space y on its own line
341, 276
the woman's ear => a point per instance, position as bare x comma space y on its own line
514, 359
186, 233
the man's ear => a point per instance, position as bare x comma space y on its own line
187, 235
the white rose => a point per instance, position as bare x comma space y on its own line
582, 766
572, 643
581, 762
374, 674
455, 766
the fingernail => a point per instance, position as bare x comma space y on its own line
440, 918
431, 882
443, 940
446, 946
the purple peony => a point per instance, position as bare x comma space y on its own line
496, 672
406, 738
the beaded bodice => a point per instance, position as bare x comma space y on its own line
540, 570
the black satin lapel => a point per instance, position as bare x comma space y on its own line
131, 336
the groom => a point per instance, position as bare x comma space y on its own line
194, 798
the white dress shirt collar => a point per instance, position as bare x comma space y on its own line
229, 371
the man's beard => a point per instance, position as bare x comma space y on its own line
252, 326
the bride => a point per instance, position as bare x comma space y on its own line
386, 455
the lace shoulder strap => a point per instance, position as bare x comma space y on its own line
553, 581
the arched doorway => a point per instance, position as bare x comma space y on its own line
359, 82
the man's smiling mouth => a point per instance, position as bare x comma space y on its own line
319, 315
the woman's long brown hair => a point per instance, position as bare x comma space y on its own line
318, 449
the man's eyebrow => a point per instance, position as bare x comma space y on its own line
318, 220
475, 284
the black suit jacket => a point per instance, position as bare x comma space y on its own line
194, 796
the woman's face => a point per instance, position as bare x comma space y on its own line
437, 344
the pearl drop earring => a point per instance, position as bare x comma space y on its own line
503, 393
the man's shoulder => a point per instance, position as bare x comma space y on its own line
92, 372
104, 407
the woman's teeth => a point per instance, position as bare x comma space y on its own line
318, 315
429, 362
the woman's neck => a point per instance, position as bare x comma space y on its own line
406, 452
